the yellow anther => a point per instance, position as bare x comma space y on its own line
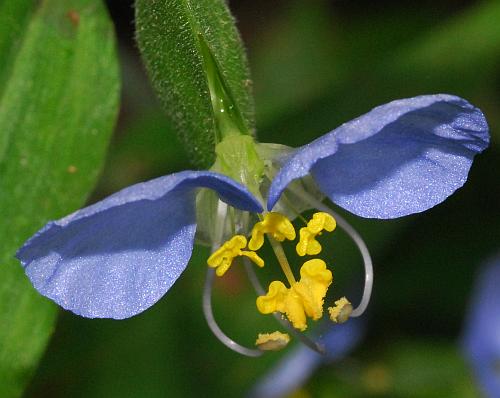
308, 243
275, 224
274, 299
316, 278
304, 298
341, 311
321, 221
272, 341
223, 257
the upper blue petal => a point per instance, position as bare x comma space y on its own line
482, 330
400, 158
119, 256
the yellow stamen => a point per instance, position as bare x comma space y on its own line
308, 243
341, 311
273, 300
272, 341
303, 298
282, 260
275, 224
223, 257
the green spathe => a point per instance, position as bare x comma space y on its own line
227, 115
168, 35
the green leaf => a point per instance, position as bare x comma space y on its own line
466, 47
59, 91
413, 368
174, 36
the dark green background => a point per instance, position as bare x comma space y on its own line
315, 64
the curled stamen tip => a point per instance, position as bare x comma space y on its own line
223, 257
275, 341
341, 311
273, 223
308, 244
322, 221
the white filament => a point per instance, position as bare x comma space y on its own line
207, 292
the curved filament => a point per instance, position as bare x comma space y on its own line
212, 324
353, 234
208, 287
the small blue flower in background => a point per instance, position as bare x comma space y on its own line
116, 258
293, 371
481, 339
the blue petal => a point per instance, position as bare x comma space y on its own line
119, 256
400, 158
482, 333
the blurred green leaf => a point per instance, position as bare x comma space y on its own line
15, 18
404, 368
59, 91
148, 148
168, 36
377, 59
466, 47
302, 43
426, 369
460, 56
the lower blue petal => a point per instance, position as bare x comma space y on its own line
400, 158
116, 258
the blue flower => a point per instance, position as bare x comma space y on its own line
481, 339
116, 258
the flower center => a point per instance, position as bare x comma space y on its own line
303, 299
